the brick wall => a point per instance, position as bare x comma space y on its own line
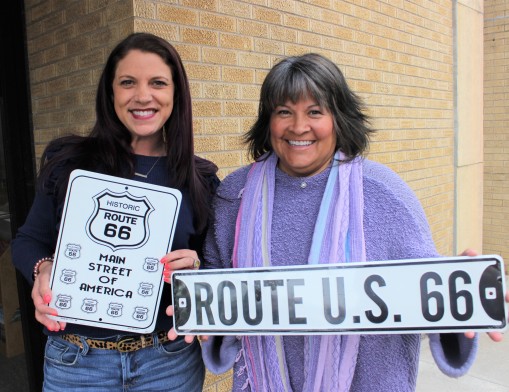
398, 56
68, 42
496, 128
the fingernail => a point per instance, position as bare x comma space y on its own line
163, 259
54, 313
46, 298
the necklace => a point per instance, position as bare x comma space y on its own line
146, 175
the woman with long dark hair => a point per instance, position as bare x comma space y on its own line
143, 131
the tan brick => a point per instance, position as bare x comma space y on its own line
296, 22
250, 92
145, 9
233, 41
297, 50
310, 39
101, 37
41, 42
196, 89
220, 91
163, 30
269, 46
246, 124
218, 22
219, 56
282, 34
241, 109
119, 11
226, 158
46, 104
39, 11
235, 8
45, 73
208, 144
282, 5
199, 36
238, 75
311, 12
88, 95
203, 72
210, 5
252, 28
254, 60
233, 143
187, 52
78, 45
68, 99
179, 15
207, 108
82, 115
221, 126
55, 21
268, 15
97, 58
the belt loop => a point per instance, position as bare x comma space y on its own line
156, 338
84, 345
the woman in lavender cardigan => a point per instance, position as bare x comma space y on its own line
309, 178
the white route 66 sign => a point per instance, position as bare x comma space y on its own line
449, 294
113, 232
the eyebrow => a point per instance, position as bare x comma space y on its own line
154, 77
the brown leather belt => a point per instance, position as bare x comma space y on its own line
124, 345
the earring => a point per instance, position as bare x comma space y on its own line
164, 134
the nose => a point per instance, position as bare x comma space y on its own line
300, 124
143, 93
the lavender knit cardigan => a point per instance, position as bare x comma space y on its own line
395, 228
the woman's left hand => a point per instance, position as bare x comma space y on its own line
179, 260
495, 336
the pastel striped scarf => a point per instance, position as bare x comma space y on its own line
329, 360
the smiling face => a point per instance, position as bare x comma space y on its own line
143, 92
302, 136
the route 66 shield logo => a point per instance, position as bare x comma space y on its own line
73, 251
119, 220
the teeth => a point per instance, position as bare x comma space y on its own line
143, 113
300, 142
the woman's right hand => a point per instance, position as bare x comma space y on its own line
41, 295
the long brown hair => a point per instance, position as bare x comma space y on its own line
108, 147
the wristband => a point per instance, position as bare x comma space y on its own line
38, 265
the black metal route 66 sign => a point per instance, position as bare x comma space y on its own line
119, 220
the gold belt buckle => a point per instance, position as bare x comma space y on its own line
123, 344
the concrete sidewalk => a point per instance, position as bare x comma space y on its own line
490, 372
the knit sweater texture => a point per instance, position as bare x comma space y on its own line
395, 228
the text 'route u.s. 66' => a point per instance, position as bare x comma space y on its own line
449, 294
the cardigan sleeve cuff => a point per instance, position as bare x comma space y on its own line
454, 353
219, 353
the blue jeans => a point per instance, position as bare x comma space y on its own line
171, 366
